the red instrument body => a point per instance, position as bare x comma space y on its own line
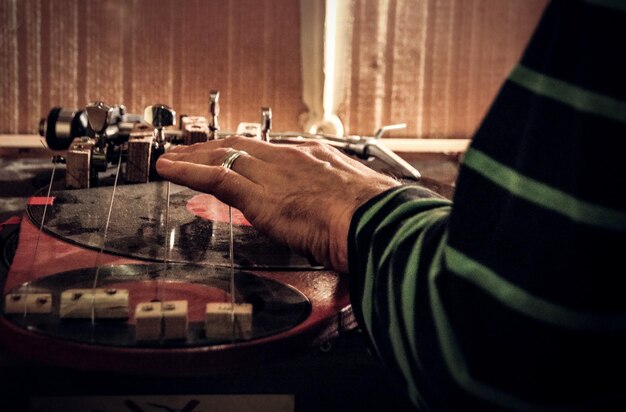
327, 291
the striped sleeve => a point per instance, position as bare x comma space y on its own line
511, 298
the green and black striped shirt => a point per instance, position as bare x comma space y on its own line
511, 297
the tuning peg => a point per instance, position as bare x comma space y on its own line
266, 123
159, 116
98, 116
214, 112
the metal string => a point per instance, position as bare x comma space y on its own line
43, 218
166, 249
104, 238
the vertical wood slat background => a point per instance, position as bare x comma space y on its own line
70, 52
434, 64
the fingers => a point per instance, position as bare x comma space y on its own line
270, 153
260, 150
245, 165
225, 184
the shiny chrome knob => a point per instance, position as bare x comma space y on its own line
214, 112
159, 116
98, 116
266, 123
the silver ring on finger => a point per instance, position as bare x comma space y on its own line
231, 156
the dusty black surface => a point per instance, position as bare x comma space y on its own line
140, 219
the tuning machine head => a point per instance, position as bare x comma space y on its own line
159, 116
98, 115
266, 123
214, 112
61, 127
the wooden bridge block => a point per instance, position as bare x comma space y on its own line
249, 130
29, 303
104, 303
138, 160
78, 164
195, 129
148, 321
174, 319
225, 322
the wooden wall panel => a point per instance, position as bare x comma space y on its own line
69, 52
435, 65
9, 91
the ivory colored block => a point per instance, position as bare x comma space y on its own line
174, 319
195, 133
28, 303
249, 130
105, 303
223, 322
148, 321
186, 120
195, 129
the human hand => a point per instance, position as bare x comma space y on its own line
300, 195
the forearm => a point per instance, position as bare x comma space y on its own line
393, 243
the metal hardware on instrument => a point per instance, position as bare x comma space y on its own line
98, 114
365, 147
62, 126
159, 116
266, 123
214, 112
113, 131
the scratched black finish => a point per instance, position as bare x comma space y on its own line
276, 307
138, 225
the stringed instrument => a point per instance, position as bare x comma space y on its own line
156, 278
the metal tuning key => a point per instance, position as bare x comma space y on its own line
159, 116
266, 123
98, 115
214, 112
62, 126
373, 147
364, 147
